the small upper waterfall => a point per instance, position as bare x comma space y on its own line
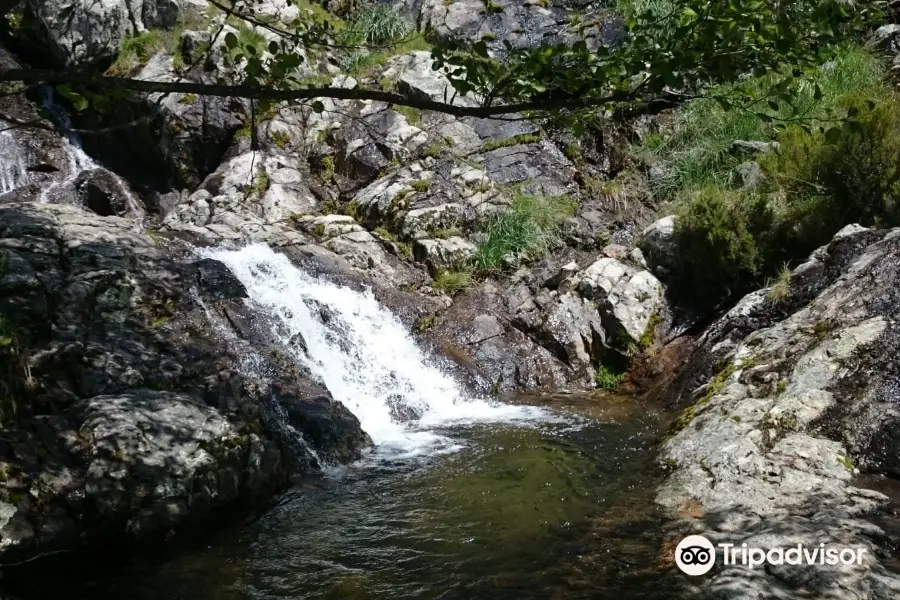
362, 353
78, 160
12, 163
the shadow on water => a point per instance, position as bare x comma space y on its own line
555, 510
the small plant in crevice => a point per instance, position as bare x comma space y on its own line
424, 324
280, 138
780, 288
412, 115
452, 281
608, 378
524, 138
421, 185
432, 151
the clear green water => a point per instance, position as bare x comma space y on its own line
549, 511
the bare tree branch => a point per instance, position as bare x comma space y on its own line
257, 93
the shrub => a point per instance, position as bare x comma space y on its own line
695, 153
853, 177
716, 250
137, 49
524, 231
379, 25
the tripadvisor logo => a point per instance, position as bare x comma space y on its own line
696, 555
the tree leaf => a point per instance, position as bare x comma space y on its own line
231, 40
318, 107
78, 101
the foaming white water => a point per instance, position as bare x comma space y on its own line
362, 354
12, 163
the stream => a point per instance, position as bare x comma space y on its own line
461, 498
550, 510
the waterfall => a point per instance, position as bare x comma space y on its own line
12, 163
363, 354
78, 160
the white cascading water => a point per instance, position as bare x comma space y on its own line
362, 354
12, 164
77, 158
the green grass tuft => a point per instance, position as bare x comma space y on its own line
452, 282
525, 231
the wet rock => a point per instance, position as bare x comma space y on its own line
217, 281
135, 412
493, 351
103, 193
325, 422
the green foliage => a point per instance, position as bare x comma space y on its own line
841, 176
526, 230
280, 138
716, 250
432, 151
421, 185
366, 61
695, 154
379, 25
424, 324
452, 282
249, 36
780, 288
649, 335
412, 115
138, 49
608, 378
695, 45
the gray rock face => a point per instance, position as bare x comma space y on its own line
795, 397
749, 175
444, 254
413, 74
658, 245
127, 413
80, 32
751, 147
